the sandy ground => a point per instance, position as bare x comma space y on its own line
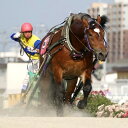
45, 112
18, 117
62, 122
46, 118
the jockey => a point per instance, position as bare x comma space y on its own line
30, 44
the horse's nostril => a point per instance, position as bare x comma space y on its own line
101, 56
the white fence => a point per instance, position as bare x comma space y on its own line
16, 73
117, 90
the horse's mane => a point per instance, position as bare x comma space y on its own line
104, 20
81, 15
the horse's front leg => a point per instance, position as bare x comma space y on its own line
60, 90
87, 87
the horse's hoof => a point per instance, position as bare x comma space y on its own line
82, 104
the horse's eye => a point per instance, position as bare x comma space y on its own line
92, 25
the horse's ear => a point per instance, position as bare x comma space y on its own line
98, 19
71, 14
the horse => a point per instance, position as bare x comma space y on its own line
73, 49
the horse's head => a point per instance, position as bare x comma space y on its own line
92, 31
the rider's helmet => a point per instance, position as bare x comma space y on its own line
26, 27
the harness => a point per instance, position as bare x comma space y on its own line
65, 41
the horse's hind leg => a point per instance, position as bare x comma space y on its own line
87, 87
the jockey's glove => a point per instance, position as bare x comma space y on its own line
17, 35
30, 50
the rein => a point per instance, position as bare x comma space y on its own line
87, 49
21, 50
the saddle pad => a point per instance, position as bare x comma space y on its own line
44, 45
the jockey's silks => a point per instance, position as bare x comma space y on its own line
34, 42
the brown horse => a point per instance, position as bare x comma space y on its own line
72, 48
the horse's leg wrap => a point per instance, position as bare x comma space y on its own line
86, 90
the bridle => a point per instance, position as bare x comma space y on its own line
86, 36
